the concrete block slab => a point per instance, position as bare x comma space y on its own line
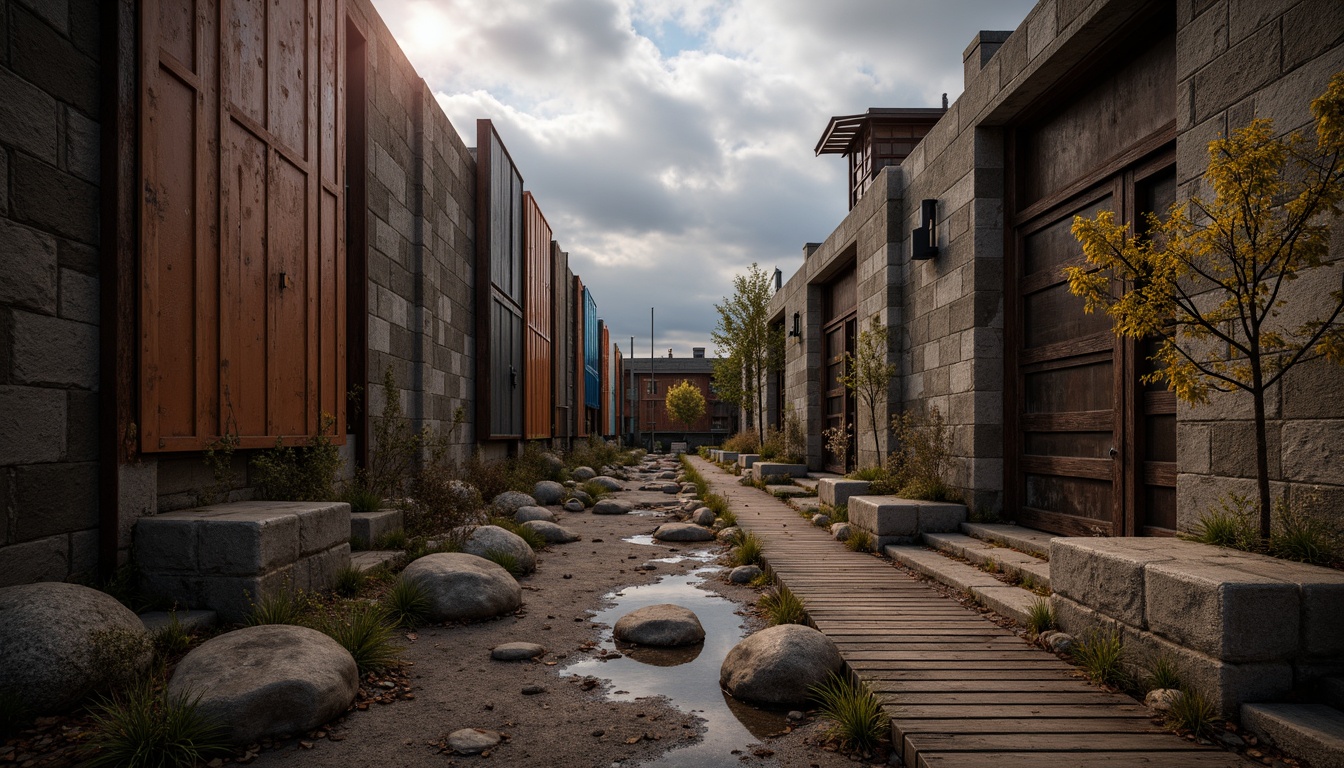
1226, 684
1222, 611
164, 543
318, 572
763, 469
245, 543
837, 491
1013, 602
367, 561
746, 460
369, 526
1103, 574
1015, 536
1079, 620
1321, 592
727, 456
885, 515
322, 526
1311, 731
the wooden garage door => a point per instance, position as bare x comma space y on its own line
241, 285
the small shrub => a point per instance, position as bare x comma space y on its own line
173, 640
407, 604
856, 716
1040, 616
118, 656
1193, 712
1233, 524
1300, 534
349, 580
361, 499
303, 473
598, 453
594, 489
839, 513
762, 580
728, 517
748, 550
506, 560
919, 468
745, 441
219, 460
992, 566
859, 540
838, 440
1028, 581
1101, 655
143, 726
367, 633
716, 503
1161, 672
781, 606
284, 606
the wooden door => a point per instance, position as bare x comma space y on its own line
242, 267
838, 333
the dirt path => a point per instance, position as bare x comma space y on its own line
571, 722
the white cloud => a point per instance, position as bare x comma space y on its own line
664, 174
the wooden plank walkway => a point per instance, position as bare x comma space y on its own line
962, 692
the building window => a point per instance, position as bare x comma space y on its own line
651, 387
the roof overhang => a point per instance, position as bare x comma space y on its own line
838, 138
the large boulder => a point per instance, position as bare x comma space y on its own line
491, 538
552, 533
776, 665
612, 507
268, 680
610, 483
583, 473
510, 502
683, 532
464, 587
661, 625
730, 535
703, 516
548, 492
573, 505
533, 513
581, 496
60, 641
744, 574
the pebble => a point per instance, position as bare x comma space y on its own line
471, 741
533, 690
795, 715
516, 651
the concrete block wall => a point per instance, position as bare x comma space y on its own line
49, 289
1238, 60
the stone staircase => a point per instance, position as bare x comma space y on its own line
1313, 730
1003, 567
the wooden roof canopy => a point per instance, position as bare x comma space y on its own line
843, 130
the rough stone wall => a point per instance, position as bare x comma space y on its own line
421, 200
1238, 60
49, 289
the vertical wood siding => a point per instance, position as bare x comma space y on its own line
539, 305
242, 274
499, 288
579, 402
604, 373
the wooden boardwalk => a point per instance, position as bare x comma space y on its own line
961, 690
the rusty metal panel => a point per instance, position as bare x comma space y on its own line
604, 374
538, 307
500, 291
562, 343
242, 243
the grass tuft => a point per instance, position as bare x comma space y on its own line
1162, 673
859, 540
361, 499
595, 490
506, 560
839, 513
349, 580
1040, 616
367, 633
142, 727
1192, 712
534, 540
285, 606
781, 606
1232, 524
748, 550
407, 604
173, 640
857, 721
762, 580
1101, 655
392, 540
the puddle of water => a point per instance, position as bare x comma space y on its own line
699, 556
642, 538
688, 676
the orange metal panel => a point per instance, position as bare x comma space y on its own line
604, 423
538, 300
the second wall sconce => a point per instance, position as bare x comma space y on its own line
797, 332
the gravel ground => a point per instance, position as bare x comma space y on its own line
574, 720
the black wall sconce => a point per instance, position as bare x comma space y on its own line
924, 240
797, 332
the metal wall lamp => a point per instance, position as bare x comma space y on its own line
924, 240
797, 332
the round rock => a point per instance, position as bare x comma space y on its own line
473, 741
268, 680
581, 496
464, 587
612, 507
667, 475
776, 665
583, 473
486, 538
840, 531
548, 492
703, 516
552, 533
510, 502
50, 639
516, 651
573, 505
610, 483
1162, 699
743, 574
671, 488
553, 463
660, 625
533, 513
821, 521
730, 535
683, 532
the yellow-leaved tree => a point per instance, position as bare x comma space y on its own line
685, 404
1210, 277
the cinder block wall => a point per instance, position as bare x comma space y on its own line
1236, 61
49, 305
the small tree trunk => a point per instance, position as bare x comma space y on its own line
872, 417
1261, 456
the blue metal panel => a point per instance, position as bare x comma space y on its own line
592, 354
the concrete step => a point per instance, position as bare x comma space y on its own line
370, 559
1012, 602
1027, 540
809, 504
786, 491
369, 526
810, 483
191, 621
1026, 568
1313, 732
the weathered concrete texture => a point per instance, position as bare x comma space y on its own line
763, 469
746, 460
837, 490
1311, 731
891, 519
224, 557
368, 527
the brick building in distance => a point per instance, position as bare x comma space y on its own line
646, 384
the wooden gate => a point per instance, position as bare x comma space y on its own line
838, 332
1089, 449
242, 260
537, 366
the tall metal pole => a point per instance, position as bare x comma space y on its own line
653, 418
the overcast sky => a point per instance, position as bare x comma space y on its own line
670, 142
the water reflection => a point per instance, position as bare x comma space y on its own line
689, 676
